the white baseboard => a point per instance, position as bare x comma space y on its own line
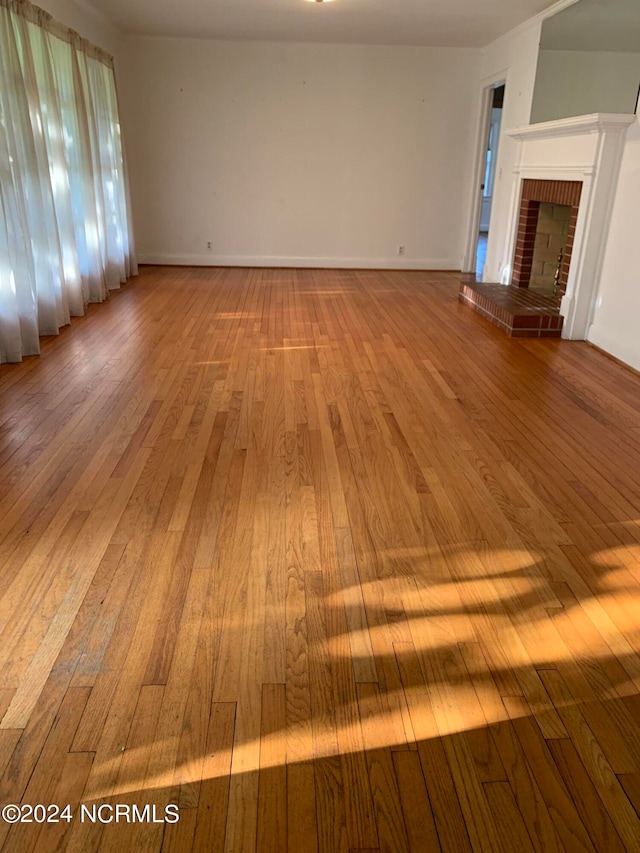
211, 260
626, 352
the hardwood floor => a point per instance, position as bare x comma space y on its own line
328, 562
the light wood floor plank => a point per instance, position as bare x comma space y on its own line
324, 561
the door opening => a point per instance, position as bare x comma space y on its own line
489, 175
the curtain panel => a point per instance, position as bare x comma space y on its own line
65, 226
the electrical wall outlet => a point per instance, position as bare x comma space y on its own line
401, 250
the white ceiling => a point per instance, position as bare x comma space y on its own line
460, 23
595, 25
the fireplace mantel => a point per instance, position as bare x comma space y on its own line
595, 123
588, 149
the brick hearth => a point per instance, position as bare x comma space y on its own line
519, 312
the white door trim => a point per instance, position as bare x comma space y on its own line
479, 165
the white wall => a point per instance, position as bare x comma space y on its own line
578, 82
616, 325
512, 58
298, 154
89, 23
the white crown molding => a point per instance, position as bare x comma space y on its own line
531, 22
98, 15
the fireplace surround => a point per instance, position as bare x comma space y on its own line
555, 159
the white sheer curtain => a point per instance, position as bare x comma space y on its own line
65, 226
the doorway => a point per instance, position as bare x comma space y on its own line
496, 106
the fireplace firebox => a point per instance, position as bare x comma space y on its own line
546, 236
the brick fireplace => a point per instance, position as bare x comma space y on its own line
546, 230
574, 163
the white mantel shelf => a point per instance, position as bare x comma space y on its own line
587, 149
594, 123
